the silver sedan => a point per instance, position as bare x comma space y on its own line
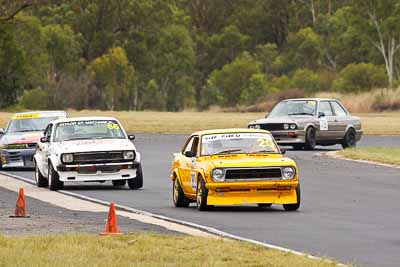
307, 122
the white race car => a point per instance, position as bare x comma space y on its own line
87, 149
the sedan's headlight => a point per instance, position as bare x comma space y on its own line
129, 155
251, 126
286, 126
293, 126
67, 158
288, 173
218, 175
257, 126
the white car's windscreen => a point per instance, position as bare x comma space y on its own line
228, 143
90, 129
293, 108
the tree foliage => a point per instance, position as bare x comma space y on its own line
179, 54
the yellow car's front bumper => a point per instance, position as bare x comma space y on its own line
252, 193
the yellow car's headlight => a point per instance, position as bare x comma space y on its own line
288, 173
218, 175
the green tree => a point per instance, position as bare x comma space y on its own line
303, 50
174, 64
152, 98
114, 77
267, 55
379, 22
257, 88
233, 79
360, 77
307, 80
12, 69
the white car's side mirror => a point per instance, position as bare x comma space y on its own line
44, 139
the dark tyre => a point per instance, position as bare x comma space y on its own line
41, 181
349, 139
298, 147
54, 180
293, 207
137, 182
201, 195
264, 205
178, 196
118, 182
311, 138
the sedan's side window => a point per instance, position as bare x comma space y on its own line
189, 145
325, 107
195, 144
338, 109
47, 132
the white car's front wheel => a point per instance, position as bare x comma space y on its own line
54, 179
40, 180
137, 182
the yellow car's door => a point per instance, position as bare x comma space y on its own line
189, 161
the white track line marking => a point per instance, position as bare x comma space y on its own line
195, 226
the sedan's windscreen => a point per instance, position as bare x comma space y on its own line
91, 129
232, 143
29, 125
294, 108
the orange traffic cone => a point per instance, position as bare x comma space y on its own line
20, 205
111, 225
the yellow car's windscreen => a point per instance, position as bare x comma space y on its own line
230, 143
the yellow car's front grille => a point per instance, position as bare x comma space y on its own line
253, 173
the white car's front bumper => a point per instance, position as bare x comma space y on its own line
96, 172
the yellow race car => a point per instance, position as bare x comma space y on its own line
234, 166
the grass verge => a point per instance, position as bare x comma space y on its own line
377, 154
140, 250
387, 123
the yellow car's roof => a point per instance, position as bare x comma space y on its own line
231, 130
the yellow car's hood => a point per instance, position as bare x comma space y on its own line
249, 160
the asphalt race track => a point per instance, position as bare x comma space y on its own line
350, 211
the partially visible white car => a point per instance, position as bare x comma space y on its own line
87, 149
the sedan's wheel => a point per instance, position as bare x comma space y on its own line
40, 180
178, 196
201, 195
293, 207
349, 139
264, 205
310, 138
118, 182
54, 179
137, 182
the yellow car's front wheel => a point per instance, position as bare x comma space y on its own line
293, 207
178, 196
201, 195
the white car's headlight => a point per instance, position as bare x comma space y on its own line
67, 158
251, 126
288, 173
257, 126
293, 126
129, 155
218, 175
286, 126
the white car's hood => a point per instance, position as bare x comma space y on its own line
95, 145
